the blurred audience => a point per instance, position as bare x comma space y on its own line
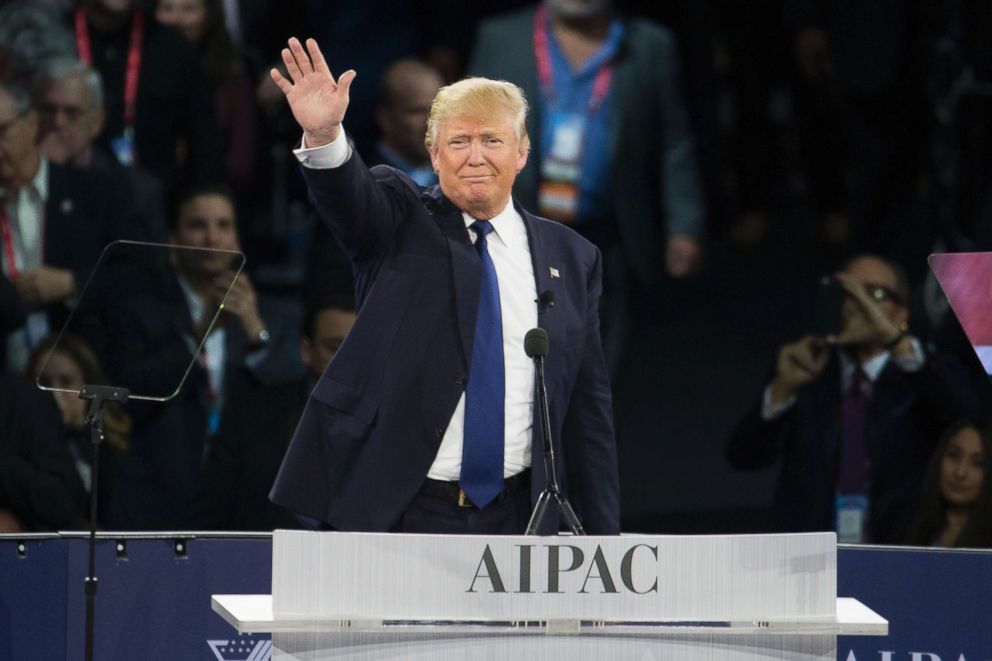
865, 116
202, 23
853, 415
163, 336
104, 104
955, 508
158, 107
54, 220
234, 486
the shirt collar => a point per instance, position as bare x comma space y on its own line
38, 186
193, 300
871, 367
508, 226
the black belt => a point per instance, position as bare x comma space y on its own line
450, 491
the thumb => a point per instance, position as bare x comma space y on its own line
344, 80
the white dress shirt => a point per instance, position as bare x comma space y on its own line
510, 252
26, 212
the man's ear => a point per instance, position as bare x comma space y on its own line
522, 158
434, 157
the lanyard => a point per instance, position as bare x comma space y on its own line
9, 253
543, 55
133, 70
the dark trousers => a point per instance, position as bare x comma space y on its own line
429, 513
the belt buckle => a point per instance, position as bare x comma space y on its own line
463, 501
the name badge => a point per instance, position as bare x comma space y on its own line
558, 193
123, 146
852, 512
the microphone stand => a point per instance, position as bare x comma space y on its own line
97, 396
551, 491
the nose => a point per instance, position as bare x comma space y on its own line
475, 153
959, 469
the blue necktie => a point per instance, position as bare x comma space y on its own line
482, 448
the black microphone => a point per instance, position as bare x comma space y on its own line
536, 347
545, 300
536, 343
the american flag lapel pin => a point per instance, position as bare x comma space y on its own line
554, 272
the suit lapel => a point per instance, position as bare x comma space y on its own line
466, 270
544, 259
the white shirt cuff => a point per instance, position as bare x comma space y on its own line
771, 411
332, 155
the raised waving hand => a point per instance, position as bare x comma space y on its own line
317, 100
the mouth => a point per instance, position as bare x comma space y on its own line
477, 178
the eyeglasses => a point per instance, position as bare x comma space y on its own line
5, 126
880, 293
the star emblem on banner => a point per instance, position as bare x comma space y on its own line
246, 647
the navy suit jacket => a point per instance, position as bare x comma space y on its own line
375, 420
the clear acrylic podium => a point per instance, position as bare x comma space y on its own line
390, 596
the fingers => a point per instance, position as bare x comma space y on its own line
281, 81
292, 68
303, 63
319, 63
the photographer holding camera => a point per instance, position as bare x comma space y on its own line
854, 413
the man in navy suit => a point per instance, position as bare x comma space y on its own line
432, 386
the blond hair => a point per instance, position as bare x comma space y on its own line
479, 98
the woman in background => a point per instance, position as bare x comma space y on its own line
202, 23
956, 505
66, 367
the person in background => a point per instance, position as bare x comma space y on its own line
65, 363
202, 23
55, 220
244, 459
405, 94
159, 111
613, 153
161, 336
72, 116
854, 415
955, 508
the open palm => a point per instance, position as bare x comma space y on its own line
318, 101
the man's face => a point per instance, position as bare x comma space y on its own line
330, 328
18, 133
476, 161
882, 286
404, 123
205, 221
70, 123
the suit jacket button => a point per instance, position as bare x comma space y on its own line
460, 380
439, 432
